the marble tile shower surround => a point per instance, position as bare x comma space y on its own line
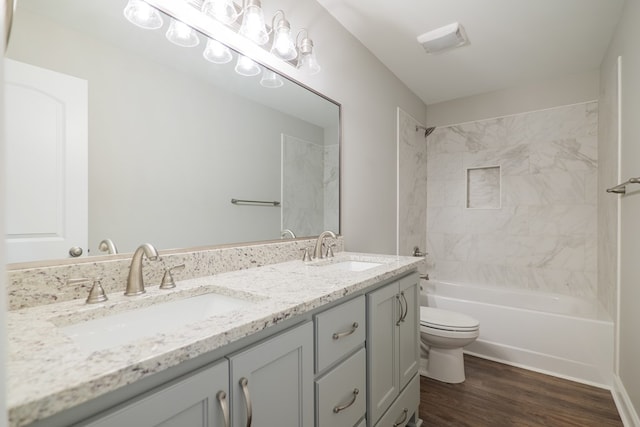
302, 181
34, 286
412, 185
544, 237
331, 186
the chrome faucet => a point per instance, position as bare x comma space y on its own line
317, 252
135, 282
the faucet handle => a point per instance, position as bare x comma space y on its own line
329, 249
167, 280
306, 256
96, 294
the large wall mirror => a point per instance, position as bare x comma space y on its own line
170, 139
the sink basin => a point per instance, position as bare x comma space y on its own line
351, 265
128, 326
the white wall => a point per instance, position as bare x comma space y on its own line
567, 90
3, 276
625, 44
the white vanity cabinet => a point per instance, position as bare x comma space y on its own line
393, 351
272, 382
197, 399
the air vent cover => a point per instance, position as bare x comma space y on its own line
443, 38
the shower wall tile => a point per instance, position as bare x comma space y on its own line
544, 236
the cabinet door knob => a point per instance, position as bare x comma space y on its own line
244, 383
341, 408
224, 407
405, 412
338, 335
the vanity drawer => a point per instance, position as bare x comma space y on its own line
341, 394
339, 331
405, 406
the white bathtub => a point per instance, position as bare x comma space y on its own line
555, 334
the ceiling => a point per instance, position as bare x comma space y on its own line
512, 42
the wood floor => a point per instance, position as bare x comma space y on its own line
499, 395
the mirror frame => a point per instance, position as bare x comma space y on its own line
224, 34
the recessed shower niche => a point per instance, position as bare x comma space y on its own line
483, 187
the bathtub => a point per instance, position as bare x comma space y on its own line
555, 334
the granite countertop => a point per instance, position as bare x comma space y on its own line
49, 373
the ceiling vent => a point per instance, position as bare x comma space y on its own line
443, 38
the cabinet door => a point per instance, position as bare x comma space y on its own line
409, 329
383, 343
272, 382
194, 401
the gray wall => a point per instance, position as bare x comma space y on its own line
369, 94
3, 277
625, 44
551, 93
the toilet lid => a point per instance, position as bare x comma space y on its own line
444, 319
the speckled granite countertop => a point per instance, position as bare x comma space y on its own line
49, 373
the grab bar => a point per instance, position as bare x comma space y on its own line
254, 202
622, 188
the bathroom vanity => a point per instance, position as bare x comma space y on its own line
333, 343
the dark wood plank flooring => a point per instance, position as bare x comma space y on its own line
496, 395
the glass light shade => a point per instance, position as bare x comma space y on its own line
246, 66
253, 26
308, 63
270, 79
182, 34
283, 45
216, 52
221, 10
141, 14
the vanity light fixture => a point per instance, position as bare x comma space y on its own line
181, 34
141, 14
270, 79
246, 66
283, 45
253, 26
221, 10
216, 52
307, 61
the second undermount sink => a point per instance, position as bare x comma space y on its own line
351, 265
126, 327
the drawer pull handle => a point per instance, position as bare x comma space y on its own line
224, 406
244, 383
338, 335
406, 307
341, 408
405, 412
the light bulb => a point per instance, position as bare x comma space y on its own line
253, 26
221, 10
283, 45
246, 66
182, 34
141, 14
216, 52
270, 79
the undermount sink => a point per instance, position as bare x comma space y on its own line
128, 326
351, 265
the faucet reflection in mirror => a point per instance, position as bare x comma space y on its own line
253, 28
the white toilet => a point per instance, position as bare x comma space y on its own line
443, 334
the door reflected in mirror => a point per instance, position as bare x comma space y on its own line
171, 139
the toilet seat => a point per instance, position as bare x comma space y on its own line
436, 318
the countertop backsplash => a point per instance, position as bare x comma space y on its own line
46, 283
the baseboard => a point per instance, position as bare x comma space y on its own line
626, 410
543, 363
